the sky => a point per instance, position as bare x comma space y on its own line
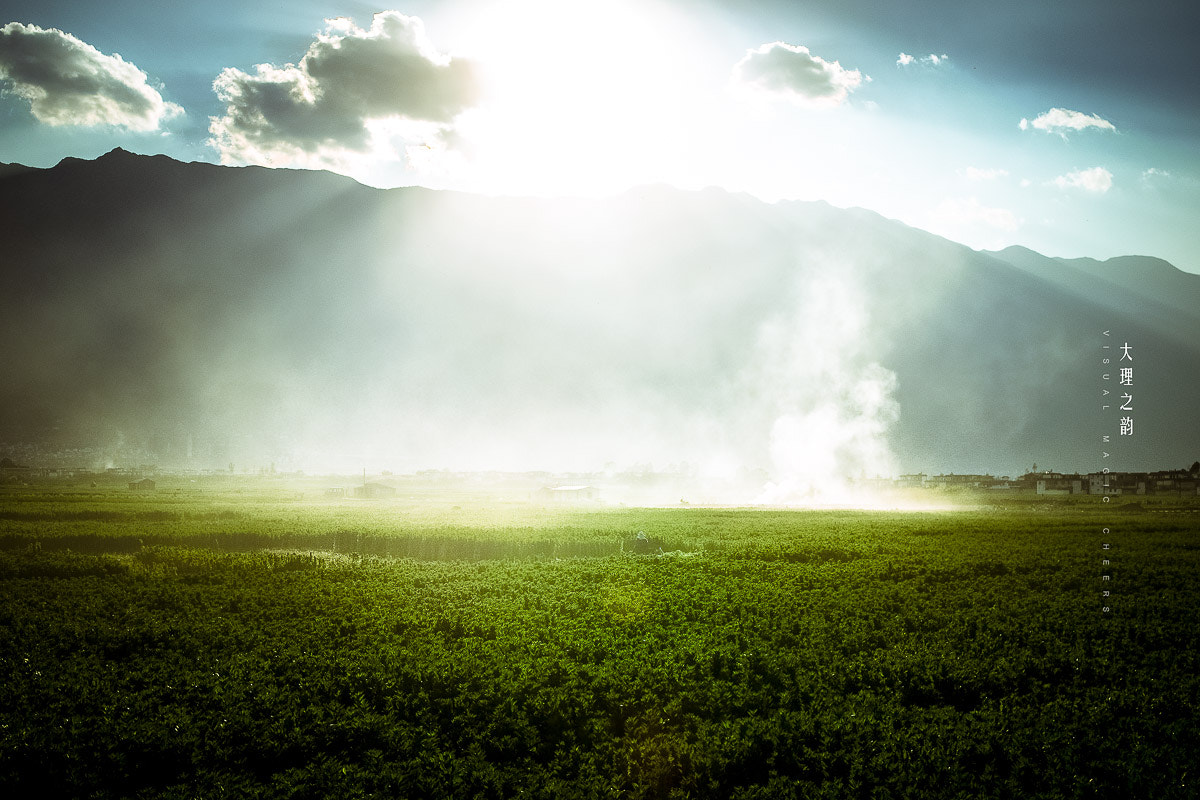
1067, 127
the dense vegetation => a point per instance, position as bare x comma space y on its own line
241, 646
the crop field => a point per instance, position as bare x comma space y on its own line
261, 643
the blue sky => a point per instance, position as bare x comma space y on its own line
1068, 127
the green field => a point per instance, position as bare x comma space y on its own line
260, 643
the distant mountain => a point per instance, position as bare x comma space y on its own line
196, 314
13, 169
1149, 289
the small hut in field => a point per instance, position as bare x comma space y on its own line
374, 491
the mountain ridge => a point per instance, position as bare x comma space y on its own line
205, 313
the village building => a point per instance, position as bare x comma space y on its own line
374, 491
913, 481
1172, 481
1102, 483
953, 481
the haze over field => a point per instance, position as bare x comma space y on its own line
646, 258
206, 314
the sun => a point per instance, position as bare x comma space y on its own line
582, 98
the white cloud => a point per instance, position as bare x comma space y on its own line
69, 82
1061, 120
793, 71
350, 93
1096, 179
1155, 172
981, 174
959, 211
932, 60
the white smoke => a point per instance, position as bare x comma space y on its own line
829, 403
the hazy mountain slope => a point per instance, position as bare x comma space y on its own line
252, 315
1149, 289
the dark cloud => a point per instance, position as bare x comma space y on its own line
69, 82
792, 70
322, 109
